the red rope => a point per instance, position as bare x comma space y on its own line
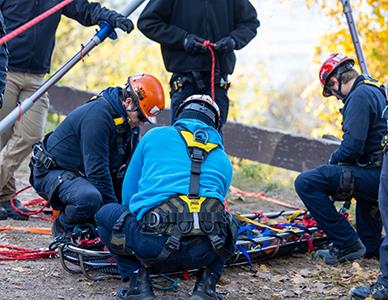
308, 222
20, 112
261, 196
38, 201
34, 21
18, 253
210, 46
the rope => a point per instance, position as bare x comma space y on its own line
38, 201
260, 195
34, 21
18, 253
38, 230
20, 112
210, 46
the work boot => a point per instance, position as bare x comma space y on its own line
205, 286
335, 255
13, 213
140, 288
58, 231
377, 291
3, 214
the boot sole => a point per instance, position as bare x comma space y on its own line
349, 257
140, 297
356, 297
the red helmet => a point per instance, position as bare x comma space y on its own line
328, 68
203, 104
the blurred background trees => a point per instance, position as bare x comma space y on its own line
296, 105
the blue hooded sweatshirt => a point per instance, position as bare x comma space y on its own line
160, 168
85, 142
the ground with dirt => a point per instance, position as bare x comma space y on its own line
299, 276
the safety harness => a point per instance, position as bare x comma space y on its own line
184, 215
191, 214
374, 159
41, 157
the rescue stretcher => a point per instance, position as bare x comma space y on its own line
260, 236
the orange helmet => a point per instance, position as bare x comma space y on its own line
203, 104
334, 63
148, 95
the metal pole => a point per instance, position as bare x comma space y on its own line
105, 31
355, 37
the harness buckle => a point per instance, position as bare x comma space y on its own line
197, 155
153, 224
48, 162
173, 243
216, 241
37, 151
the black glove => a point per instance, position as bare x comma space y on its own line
193, 44
1, 100
226, 44
119, 21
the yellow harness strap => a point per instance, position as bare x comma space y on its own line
191, 142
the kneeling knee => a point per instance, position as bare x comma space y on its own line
301, 182
90, 202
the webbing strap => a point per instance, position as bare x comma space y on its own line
118, 239
198, 148
119, 126
197, 157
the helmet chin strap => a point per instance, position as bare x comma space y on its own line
338, 92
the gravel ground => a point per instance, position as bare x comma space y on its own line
299, 276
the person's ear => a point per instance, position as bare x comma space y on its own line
127, 102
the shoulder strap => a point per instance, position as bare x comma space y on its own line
376, 84
198, 148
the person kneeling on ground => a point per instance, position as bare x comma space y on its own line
173, 212
77, 167
353, 169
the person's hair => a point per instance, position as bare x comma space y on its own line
345, 77
125, 94
349, 75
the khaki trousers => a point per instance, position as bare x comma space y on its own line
16, 143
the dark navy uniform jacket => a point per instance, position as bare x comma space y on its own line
363, 126
3, 57
86, 142
169, 21
31, 51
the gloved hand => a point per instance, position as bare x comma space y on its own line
193, 44
119, 21
226, 44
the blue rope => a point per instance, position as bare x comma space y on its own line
173, 286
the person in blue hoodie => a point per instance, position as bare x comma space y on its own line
354, 168
76, 166
173, 213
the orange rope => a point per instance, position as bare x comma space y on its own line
38, 230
